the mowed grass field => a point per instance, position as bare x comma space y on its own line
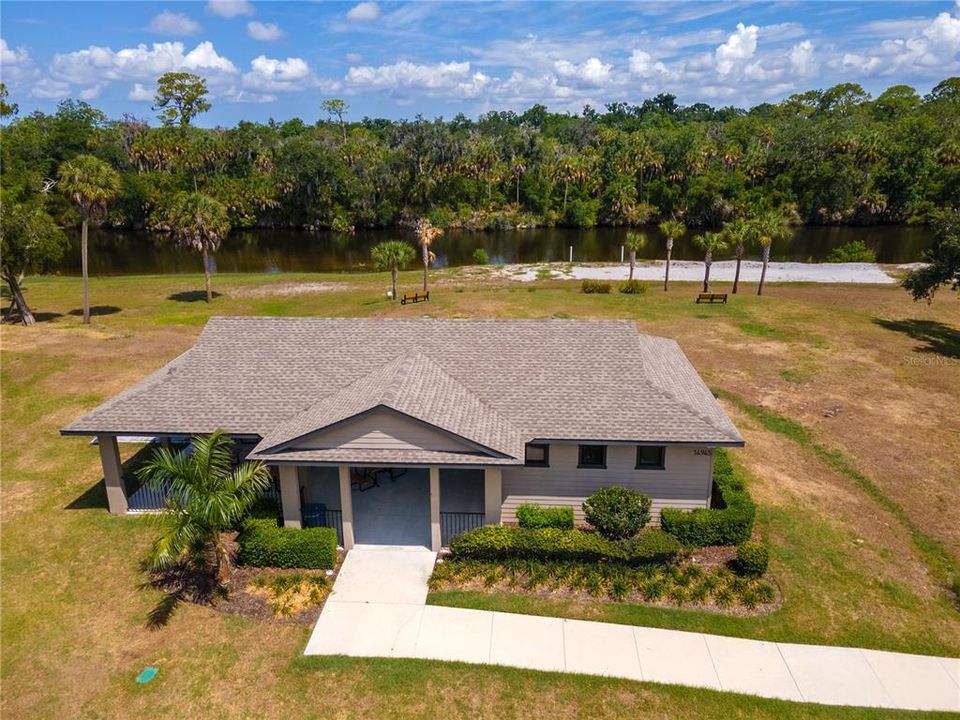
846, 396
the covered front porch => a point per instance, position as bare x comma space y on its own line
395, 505
367, 503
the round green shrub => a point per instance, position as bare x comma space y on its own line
480, 257
617, 513
752, 558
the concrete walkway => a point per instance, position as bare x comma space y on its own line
377, 609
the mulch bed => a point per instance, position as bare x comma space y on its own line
184, 583
710, 558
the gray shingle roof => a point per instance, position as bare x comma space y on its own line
414, 385
499, 383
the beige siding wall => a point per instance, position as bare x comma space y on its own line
684, 483
383, 430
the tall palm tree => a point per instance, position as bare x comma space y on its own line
709, 242
634, 242
200, 223
90, 184
673, 230
739, 233
768, 227
426, 233
391, 255
206, 495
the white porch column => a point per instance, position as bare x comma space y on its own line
346, 506
435, 509
290, 496
492, 495
112, 474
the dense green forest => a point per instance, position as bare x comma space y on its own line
831, 156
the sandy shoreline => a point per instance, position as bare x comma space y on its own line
721, 271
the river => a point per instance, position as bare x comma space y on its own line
115, 252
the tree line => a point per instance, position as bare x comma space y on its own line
823, 156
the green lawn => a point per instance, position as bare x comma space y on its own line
845, 552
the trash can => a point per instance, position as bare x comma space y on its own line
313, 514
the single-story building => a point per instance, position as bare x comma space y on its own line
409, 431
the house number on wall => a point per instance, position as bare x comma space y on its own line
702, 451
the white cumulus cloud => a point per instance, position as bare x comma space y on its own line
802, 59
270, 75
643, 64
740, 46
230, 8
97, 64
363, 12
593, 72
171, 23
404, 77
933, 51
264, 31
140, 93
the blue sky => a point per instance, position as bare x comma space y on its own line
386, 59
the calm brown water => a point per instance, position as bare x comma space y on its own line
140, 253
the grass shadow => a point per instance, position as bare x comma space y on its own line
93, 498
12, 317
181, 582
940, 338
96, 310
192, 296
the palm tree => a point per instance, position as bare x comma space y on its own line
206, 495
673, 230
426, 233
634, 242
739, 232
200, 223
90, 184
769, 226
709, 242
391, 255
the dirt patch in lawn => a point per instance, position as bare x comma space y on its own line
289, 289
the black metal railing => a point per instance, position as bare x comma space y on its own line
333, 519
147, 499
454, 523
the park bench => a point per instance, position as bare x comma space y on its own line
415, 297
711, 298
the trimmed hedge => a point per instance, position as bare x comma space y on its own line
752, 558
264, 544
535, 516
650, 546
728, 522
498, 542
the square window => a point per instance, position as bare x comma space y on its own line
650, 457
593, 456
537, 455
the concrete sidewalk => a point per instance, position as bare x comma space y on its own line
377, 610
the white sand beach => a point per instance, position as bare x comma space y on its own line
721, 271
